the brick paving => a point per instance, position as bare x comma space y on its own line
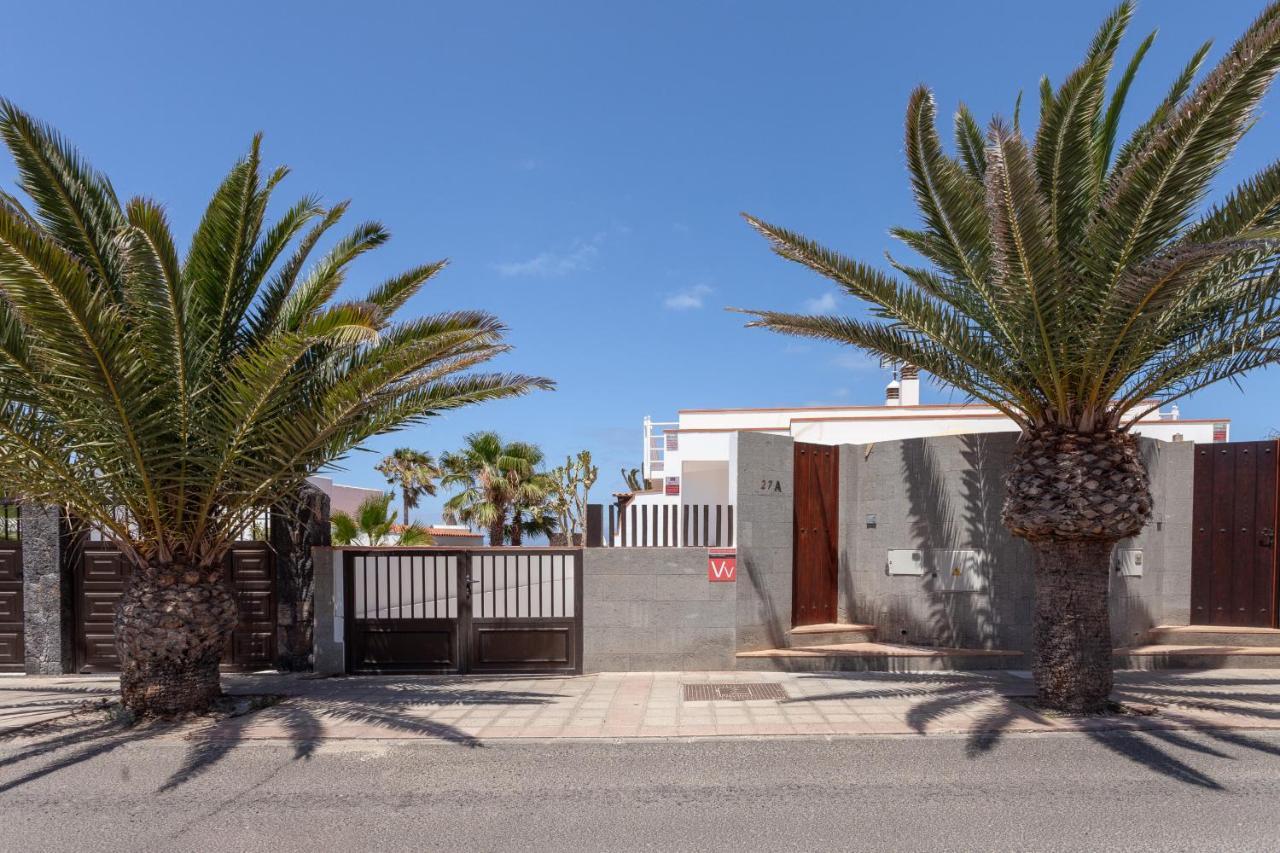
651, 705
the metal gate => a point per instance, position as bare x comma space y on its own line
815, 558
99, 578
1233, 547
457, 610
12, 648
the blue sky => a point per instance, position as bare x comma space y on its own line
583, 165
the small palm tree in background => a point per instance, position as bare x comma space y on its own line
374, 523
415, 473
1075, 287
493, 476
167, 398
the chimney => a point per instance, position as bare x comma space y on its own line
909, 393
892, 395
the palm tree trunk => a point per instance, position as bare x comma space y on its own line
497, 529
517, 532
172, 626
404, 497
1072, 496
1072, 625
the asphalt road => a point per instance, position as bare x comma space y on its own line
1113, 791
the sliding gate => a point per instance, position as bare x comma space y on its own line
458, 610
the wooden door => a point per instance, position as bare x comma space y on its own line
1233, 552
815, 561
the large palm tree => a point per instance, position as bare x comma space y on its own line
166, 397
414, 471
1075, 287
492, 476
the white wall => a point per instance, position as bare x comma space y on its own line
342, 498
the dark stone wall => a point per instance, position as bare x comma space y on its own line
46, 591
297, 528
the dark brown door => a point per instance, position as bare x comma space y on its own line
815, 563
252, 574
99, 580
11, 630
1233, 553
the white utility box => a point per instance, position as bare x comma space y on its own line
904, 561
955, 570
1128, 562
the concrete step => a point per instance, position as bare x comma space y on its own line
830, 634
1168, 656
1212, 635
876, 657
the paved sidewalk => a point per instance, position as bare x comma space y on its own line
652, 705
25, 701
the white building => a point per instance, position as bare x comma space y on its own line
693, 460
343, 498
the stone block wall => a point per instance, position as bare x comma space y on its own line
654, 609
46, 591
764, 518
946, 493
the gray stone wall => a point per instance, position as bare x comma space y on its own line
764, 518
946, 493
329, 654
297, 527
654, 609
1162, 596
46, 591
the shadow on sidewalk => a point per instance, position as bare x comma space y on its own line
1154, 742
399, 706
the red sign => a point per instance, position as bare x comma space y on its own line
672, 486
722, 565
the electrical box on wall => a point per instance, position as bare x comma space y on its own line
904, 561
955, 570
1128, 562
960, 571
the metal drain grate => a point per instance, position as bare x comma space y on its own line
733, 692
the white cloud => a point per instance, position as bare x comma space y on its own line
824, 304
687, 299
554, 264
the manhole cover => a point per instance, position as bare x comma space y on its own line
732, 692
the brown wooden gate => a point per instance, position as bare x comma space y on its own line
458, 610
1234, 515
815, 562
12, 648
99, 578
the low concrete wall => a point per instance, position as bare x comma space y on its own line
654, 609
947, 493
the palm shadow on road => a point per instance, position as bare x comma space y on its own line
989, 707
390, 709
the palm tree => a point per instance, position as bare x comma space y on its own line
493, 475
414, 471
1076, 291
375, 524
165, 399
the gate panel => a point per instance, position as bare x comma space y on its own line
99, 577
524, 611
12, 647
815, 558
402, 611
1233, 559
456, 611
251, 570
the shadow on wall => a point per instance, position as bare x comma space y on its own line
956, 508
